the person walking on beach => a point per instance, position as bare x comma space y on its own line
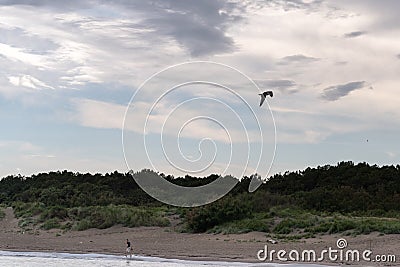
128, 248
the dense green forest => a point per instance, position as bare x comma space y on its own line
350, 198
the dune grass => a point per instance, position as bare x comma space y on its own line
292, 223
243, 226
82, 218
106, 216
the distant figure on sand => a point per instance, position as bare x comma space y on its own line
128, 248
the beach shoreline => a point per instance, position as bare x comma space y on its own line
165, 242
159, 242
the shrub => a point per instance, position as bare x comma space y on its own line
25, 210
54, 212
224, 210
243, 226
51, 224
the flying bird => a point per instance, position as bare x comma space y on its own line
264, 95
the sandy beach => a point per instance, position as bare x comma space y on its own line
166, 242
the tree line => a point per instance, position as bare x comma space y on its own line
345, 187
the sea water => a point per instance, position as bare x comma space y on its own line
44, 259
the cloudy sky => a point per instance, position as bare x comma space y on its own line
69, 69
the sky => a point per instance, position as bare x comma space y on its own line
75, 91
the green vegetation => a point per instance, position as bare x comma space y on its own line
107, 216
2, 214
293, 223
225, 210
258, 222
82, 218
346, 198
321, 223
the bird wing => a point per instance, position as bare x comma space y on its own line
262, 99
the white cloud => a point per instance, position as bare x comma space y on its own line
221, 127
19, 54
98, 114
28, 81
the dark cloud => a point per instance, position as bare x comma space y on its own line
198, 26
297, 59
281, 83
354, 34
196, 36
333, 93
